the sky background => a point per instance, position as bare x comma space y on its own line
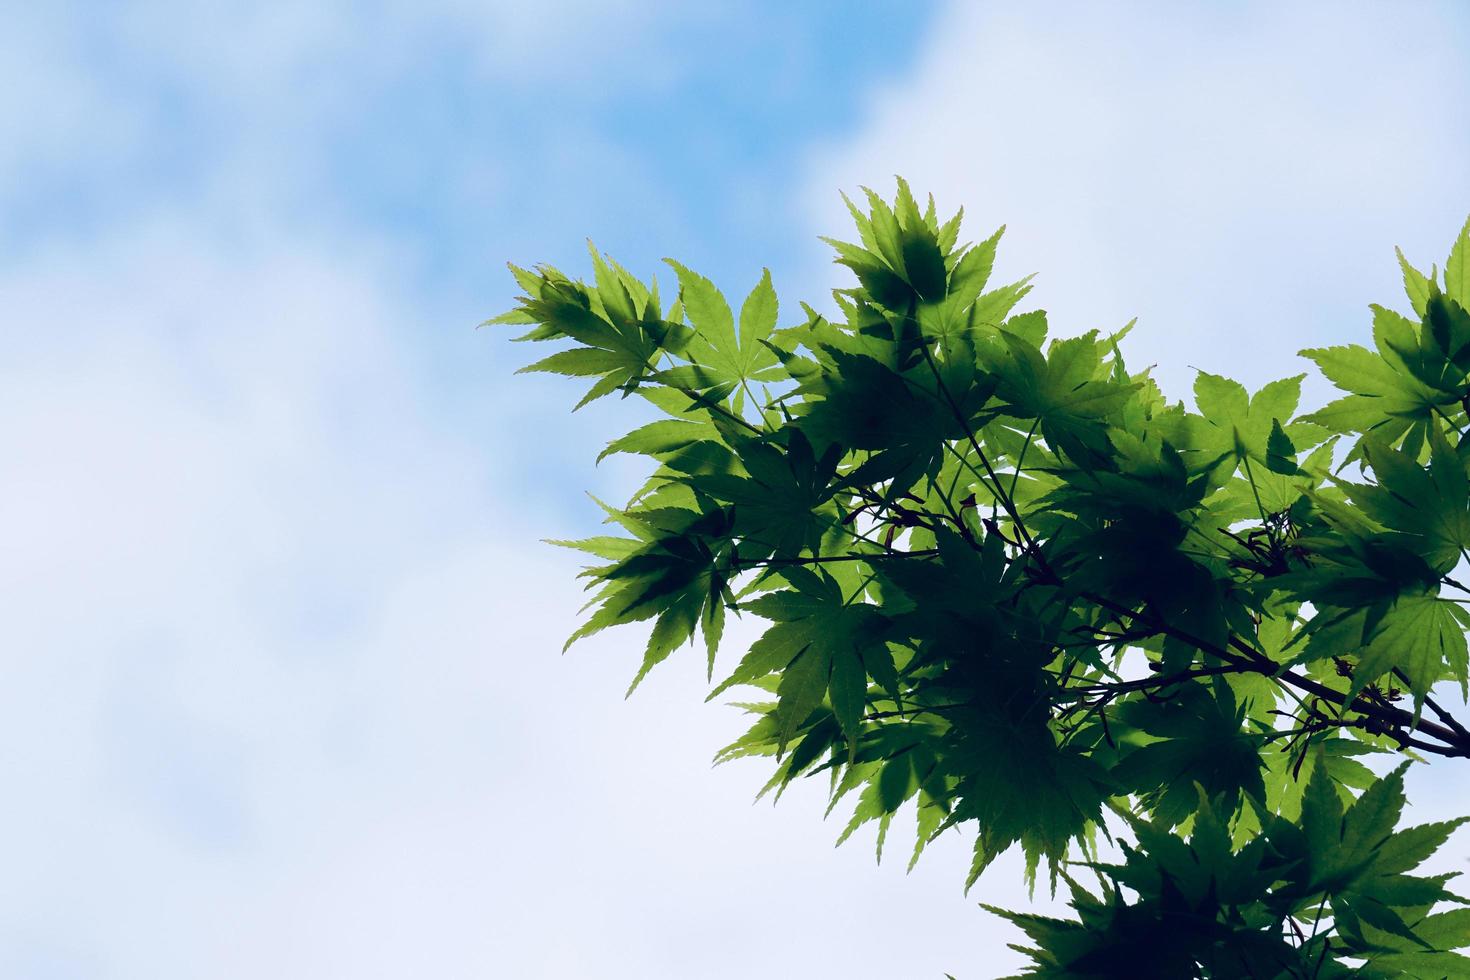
282, 691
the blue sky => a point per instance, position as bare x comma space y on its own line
283, 694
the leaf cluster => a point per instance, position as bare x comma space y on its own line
1328, 894
1010, 585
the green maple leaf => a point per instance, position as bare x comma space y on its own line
780, 504
1018, 785
1066, 390
1428, 510
1356, 858
1457, 271
674, 571
1280, 450
1421, 635
1193, 738
727, 357
902, 423
1241, 428
662, 438
617, 326
901, 262
818, 644
1394, 392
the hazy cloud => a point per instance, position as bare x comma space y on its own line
282, 690
1235, 176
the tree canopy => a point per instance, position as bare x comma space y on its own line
1009, 584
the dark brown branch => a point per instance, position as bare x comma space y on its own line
916, 710
1167, 680
1439, 712
828, 559
1005, 501
1389, 716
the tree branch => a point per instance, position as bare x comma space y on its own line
828, 559
1252, 660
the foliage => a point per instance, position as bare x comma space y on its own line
1010, 585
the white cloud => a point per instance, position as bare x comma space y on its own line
1234, 175
51, 115
283, 695
275, 59
108, 112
